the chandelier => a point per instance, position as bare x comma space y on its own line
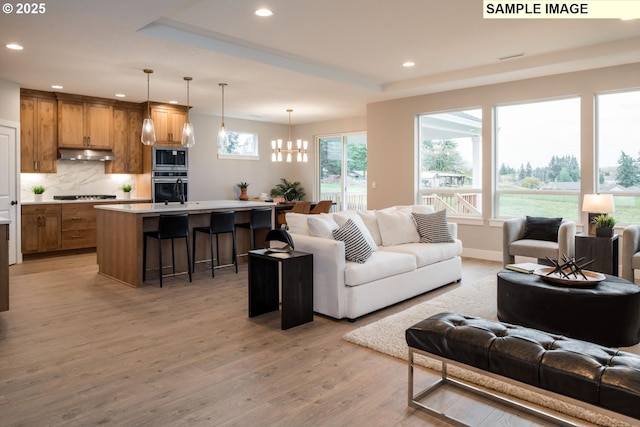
300, 150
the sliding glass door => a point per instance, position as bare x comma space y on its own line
343, 170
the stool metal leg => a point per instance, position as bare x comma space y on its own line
144, 258
160, 259
188, 257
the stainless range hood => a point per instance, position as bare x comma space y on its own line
78, 154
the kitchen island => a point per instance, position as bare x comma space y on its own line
120, 230
4, 263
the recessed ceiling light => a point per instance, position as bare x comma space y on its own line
14, 46
56, 87
120, 95
173, 102
408, 64
264, 12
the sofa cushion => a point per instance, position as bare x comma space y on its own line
321, 225
427, 253
297, 223
356, 247
396, 227
433, 227
532, 248
381, 264
342, 217
371, 222
541, 228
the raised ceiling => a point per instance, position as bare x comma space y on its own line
325, 59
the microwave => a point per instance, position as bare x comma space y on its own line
169, 158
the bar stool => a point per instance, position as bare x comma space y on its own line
169, 227
219, 223
260, 219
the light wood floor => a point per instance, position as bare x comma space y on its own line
79, 349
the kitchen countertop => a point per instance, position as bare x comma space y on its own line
141, 208
4, 220
51, 201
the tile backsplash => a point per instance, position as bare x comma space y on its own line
75, 177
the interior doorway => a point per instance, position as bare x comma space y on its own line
9, 183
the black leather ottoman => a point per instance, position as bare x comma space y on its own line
607, 314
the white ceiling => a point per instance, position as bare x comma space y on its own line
325, 59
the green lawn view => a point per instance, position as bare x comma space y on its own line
566, 206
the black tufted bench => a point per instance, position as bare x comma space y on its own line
577, 372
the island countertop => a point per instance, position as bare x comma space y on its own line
161, 208
4, 220
120, 235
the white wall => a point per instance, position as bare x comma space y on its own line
9, 101
212, 178
391, 138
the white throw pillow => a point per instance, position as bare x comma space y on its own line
422, 209
321, 226
371, 222
297, 223
397, 227
341, 217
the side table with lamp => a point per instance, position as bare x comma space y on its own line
603, 250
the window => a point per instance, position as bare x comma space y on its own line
343, 170
537, 159
242, 145
450, 165
618, 137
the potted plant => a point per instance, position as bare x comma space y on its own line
243, 190
604, 225
291, 191
38, 190
126, 189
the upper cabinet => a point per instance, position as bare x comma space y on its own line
84, 123
127, 127
38, 132
168, 122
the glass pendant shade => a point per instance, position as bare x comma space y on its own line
148, 136
188, 139
148, 132
223, 137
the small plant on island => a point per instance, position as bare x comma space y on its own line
38, 189
127, 188
243, 185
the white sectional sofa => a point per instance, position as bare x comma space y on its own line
399, 266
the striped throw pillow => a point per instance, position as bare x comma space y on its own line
433, 227
356, 247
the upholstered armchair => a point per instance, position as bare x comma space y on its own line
536, 241
630, 251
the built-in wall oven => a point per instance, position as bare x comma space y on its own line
170, 186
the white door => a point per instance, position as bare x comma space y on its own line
9, 185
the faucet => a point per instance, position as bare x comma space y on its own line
179, 190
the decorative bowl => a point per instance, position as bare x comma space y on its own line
591, 278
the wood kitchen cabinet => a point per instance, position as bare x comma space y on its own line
168, 122
38, 132
127, 127
78, 226
84, 123
41, 228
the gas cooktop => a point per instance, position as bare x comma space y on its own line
85, 197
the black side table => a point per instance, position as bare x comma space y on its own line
293, 273
604, 250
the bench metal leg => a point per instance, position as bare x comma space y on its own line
414, 399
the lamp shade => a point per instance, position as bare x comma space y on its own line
602, 203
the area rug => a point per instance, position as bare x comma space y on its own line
479, 299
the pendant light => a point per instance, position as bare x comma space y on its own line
300, 150
188, 138
148, 131
223, 136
